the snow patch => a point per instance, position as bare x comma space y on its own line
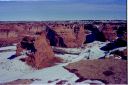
15, 69
88, 82
5, 55
67, 57
54, 74
12, 69
8, 48
120, 49
90, 51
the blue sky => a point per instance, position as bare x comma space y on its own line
27, 10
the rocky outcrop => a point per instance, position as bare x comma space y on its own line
44, 55
72, 36
80, 34
8, 33
109, 71
54, 38
38, 50
109, 33
67, 36
8, 37
12, 32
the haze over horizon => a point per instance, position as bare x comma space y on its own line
41, 10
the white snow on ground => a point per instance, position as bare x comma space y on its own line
98, 43
92, 53
92, 50
54, 74
8, 48
15, 69
57, 73
11, 69
70, 50
120, 49
5, 55
91, 81
67, 57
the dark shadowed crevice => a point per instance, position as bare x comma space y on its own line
108, 73
54, 38
28, 44
116, 44
95, 35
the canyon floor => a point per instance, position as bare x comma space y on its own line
80, 66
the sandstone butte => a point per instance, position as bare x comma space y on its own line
43, 55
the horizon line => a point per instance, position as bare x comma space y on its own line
67, 20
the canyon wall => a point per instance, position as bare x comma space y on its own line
73, 36
65, 34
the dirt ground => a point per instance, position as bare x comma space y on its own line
109, 71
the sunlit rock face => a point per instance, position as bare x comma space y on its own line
44, 55
109, 33
38, 50
7, 33
80, 35
67, 36
12, 32
7, 37
71, 35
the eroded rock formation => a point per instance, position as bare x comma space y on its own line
7, 33
38, 50
68, 35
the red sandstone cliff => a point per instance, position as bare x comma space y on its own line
73, 36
